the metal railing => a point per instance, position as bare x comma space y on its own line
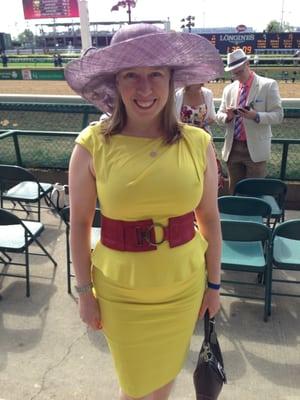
52, 150
39, 131
71, 114
35, 115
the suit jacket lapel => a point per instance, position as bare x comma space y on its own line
253, 90
235, 93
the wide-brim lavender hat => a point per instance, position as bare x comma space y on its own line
192, 58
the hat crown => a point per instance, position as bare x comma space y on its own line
236, 56
134, 31
192, 58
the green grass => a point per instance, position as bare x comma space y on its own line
38, 151
44, 151
72, 122
289, 128
30, 65
274, 72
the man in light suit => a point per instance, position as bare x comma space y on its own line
250, 105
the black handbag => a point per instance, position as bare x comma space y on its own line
209, 374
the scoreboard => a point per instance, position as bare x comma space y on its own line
249, 42
34, 9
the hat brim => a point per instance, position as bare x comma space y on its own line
192, 58
227, 69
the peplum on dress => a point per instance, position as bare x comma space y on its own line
149, 300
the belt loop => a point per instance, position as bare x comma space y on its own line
140, 236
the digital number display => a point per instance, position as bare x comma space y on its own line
248, 41
247, 49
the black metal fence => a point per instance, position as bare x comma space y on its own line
47, 116
63, 117
41, 135
52, 150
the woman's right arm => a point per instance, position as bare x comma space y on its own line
211, 111
83, 194
178, 101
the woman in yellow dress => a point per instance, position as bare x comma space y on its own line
151, 274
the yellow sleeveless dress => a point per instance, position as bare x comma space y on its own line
149, 300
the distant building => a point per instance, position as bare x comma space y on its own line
5, 41
68, 36
226, 29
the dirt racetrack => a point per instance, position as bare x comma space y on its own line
287, 90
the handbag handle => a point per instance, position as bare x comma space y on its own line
209, 326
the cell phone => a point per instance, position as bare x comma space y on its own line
235, 111
245, 108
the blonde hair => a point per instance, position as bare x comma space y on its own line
169, 123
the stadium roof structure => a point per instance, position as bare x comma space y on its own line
66, 24
227, 29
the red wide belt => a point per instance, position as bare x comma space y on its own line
140, 235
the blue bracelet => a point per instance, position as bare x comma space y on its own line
215, 286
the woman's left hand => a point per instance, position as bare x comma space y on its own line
210, 302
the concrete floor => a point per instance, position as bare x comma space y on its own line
47, 353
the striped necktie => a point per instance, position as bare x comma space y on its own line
238, 123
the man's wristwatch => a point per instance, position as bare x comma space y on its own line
257, 118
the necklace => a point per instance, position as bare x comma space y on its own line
153, 153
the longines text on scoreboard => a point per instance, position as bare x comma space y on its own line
228, 42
